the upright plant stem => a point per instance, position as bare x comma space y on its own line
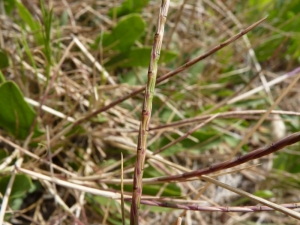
146, 114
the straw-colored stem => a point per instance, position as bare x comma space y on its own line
197, 207
146, 114
231, 114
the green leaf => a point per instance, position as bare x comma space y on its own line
202, 136
129, 6
170, 190
160, 209
284, 15
3, 154
64, 19
128, 78
139, 57
4, 60
16, 116
21, 185
9, 5
287, 162
2, 78
264, 194
16, 204
34, 26
124, 34
231, 140
96, 201
46, 34
259, 3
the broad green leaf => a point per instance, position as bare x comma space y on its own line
16, 116
139, 57
124, 34
2, 78
4, 60
21, 185
16, 204
128, 6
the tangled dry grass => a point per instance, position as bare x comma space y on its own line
75, 164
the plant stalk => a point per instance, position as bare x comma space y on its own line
196, 207
146, 114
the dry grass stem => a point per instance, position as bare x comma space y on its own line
146, 114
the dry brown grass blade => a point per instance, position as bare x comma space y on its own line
6, 196
231, 114
76, 170
205, 208
67, 184
122, 191
25, 151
